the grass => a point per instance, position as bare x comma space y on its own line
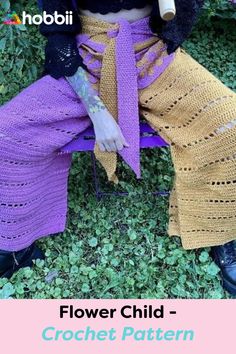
118, 247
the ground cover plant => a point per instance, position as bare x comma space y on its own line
118, 247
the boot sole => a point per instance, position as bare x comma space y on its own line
37, 254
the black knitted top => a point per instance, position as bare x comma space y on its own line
61, 53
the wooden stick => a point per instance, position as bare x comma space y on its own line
167, 9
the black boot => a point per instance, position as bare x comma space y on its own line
225, 257
10, 262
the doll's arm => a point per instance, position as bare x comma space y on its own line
108, 134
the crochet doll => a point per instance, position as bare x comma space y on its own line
117, 61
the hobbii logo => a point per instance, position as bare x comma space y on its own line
48, 19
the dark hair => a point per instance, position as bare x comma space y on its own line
176, 31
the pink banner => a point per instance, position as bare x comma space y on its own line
117, 326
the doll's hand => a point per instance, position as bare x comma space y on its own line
108, 133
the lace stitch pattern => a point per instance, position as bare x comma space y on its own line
196, 114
